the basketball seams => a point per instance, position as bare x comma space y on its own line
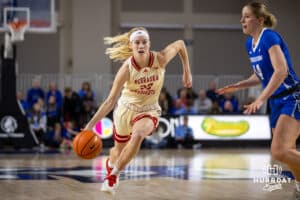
82, 149
95, 148
83, 143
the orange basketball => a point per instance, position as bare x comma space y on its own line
87, 144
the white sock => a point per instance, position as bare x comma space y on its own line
297, 183
110, 164
115, 171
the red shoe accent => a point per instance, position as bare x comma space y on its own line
108, 169
112, 180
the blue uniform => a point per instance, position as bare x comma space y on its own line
289, 102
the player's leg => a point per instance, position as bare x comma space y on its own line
121, 134
114, 153
121, 137
284, 141
283, 146
141, 128
110, 185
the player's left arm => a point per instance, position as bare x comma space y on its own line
279, 64
169, 52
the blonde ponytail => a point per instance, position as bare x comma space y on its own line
120, 49
270, 20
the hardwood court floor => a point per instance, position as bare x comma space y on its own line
154, 174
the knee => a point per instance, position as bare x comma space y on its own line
278, 153
138, 136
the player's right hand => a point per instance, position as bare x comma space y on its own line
228, 89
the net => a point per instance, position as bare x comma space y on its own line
17, 30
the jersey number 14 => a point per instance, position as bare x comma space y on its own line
258, 71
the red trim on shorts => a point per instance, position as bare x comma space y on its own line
137, 67
141, 116
120, 138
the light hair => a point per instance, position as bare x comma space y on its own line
120, 49
261, 10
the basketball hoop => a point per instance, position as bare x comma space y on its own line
17, 30
16, 20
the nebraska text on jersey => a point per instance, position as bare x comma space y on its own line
146, 79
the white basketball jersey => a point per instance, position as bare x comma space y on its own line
144, 84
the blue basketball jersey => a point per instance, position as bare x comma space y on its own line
261, 62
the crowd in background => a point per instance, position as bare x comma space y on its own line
56, 117
206, 101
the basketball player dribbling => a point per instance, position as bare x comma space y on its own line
139, 80
272, 67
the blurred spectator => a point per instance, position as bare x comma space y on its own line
53, 91
86, 88
42, 104
38, 122
211, 92
88, 99
69, 132
203, 104
180, 102
229, 104
155, 140
215, 108
21, 99
184, 135
190, 94
189, 109
86, 114
54, 136
35, 92
71, 106
53, 112
166, 102
228, 107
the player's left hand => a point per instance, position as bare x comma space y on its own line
253, 107
187, 80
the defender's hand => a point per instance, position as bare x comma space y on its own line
253, 107
228, 89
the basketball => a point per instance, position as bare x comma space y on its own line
87, 144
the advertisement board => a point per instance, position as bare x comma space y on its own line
206, 127
230, 127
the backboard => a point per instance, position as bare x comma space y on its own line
38, 14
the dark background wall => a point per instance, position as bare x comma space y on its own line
217, 41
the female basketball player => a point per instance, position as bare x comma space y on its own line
272, 67
140, 79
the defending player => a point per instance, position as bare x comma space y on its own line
272, 67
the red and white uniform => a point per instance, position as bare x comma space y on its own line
139, 97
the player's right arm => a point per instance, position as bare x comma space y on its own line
109, 103
250, 82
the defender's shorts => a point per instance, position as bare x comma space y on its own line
126, 114
289, 105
